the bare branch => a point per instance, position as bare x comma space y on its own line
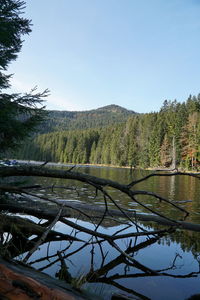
43, 237
196, 175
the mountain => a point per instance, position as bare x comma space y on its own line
95, 118
144, 140
115, 109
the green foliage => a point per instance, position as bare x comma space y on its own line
142, 141
96, 118
108, 135
19, 114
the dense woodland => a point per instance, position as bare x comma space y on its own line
71, 120
109, 135
142, 140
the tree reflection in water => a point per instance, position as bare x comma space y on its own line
21, 237
109, 271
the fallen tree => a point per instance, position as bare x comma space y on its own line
23, 199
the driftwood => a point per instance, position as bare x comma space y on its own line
44, 236
22, 282
138, 216
98, 183
23, 199
95, 212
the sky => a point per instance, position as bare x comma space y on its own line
92, 53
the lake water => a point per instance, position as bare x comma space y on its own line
175, 257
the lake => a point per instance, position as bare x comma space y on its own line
175, 257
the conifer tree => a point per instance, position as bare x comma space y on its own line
19, 114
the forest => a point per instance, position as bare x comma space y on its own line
41, 231
70, 120
139, 140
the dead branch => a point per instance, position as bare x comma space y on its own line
196, 175
46, 172
43, 237
61, 211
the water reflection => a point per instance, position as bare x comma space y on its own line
160, 268
153, 267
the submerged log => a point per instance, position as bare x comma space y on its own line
21, 281
95, 210
138, 216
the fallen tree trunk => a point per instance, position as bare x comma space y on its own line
22, 282
96, 182
24, 200
95, 211
138, 216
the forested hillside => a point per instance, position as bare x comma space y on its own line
142, 140
69, 120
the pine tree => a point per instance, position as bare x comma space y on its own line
165, 152
19, 114
190, 140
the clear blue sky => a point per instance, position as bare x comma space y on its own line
91, 53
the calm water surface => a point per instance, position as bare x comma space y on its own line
176, 256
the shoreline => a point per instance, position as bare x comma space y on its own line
34, 162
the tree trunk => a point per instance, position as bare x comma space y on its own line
173, 153
24, 283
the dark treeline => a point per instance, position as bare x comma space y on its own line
145, 140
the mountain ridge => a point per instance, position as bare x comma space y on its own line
109, 107
60, 120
